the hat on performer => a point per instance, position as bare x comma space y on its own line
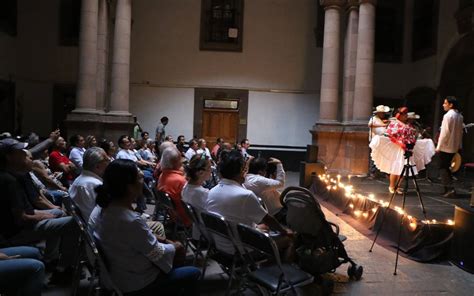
413, 115
382, 109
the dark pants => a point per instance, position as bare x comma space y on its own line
444, 171
179, 281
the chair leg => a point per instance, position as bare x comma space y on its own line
231, 276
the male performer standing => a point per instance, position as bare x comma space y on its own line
449, 142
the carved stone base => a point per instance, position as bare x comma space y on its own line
101, 125
342, 147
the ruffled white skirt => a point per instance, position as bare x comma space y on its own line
389, 158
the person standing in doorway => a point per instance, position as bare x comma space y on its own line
449, 142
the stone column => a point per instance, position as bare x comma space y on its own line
364, 80
120, 77
350, 56
102, 54
330, 70
86, 84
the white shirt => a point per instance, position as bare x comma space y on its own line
195, 195
126, 154
236, 204
76, 156
266, 188
134, 254
376, 130
205, 150
190, 153
82, 192
450, 137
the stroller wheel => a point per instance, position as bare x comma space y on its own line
355, 271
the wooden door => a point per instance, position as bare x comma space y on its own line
220, 123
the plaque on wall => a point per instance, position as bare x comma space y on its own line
221, 104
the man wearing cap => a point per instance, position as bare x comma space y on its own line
21, 224
449, 142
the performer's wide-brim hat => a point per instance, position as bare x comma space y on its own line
413, 115
455, 163
381, 108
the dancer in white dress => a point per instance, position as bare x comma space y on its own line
388, 151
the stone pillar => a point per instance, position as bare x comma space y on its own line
364, 80
86, 84
328, 106
120, 77
350, 56
102, 54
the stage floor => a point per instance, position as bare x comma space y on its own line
436, 206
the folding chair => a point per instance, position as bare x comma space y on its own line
203, 236
216, 225
96, 265
276, 278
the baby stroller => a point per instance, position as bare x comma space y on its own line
318, 245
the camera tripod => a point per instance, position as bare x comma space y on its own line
406, 173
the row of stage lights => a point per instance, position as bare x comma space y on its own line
336, 184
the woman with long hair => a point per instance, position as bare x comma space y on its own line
139, 263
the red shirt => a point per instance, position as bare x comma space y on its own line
172, 182
55, 159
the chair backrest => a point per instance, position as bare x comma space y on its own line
163, 199
197, 221
258, 241
216, 224
101, 260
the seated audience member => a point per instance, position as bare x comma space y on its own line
22, 224
235, 203
35, 192
198, 171
55, 190
145, 137
126, 152
146, 151
82, 191
203, 148
181, 145
139, 263
109, 148
91, 141
58, 162
169, 138
37, 147
216, 148
172, 180
263, 187
192, 150
244, 146
21, 271
77, 143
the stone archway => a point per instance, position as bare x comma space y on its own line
457, 79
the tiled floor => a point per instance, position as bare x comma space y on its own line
413, 278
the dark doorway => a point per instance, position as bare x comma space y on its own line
7, 107
64, 101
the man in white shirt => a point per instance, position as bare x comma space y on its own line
192, 150
82, 191
266, 188
235, 203
449, 142
77, 151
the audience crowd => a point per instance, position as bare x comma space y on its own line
110, 184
